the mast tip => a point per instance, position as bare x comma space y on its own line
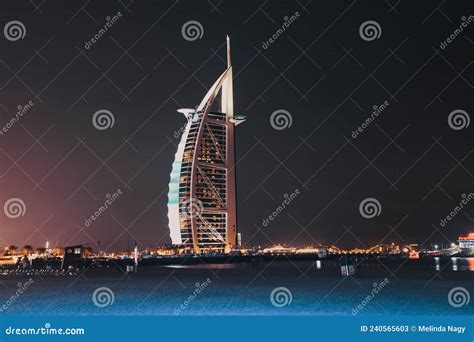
228, 52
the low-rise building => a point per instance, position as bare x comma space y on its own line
466, 244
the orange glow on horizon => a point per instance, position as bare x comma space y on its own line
469, 236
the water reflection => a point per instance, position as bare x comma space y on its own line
459, 264
205, 266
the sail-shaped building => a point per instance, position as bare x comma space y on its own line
202, 198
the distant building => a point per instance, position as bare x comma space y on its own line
73, 255
466, 244
279, 249
8, 260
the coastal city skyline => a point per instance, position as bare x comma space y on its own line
276, 170
464, 242
352, 145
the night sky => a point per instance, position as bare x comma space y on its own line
319, 70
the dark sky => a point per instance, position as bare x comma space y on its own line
319, 70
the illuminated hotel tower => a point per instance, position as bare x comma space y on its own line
201, 197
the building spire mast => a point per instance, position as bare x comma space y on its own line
227, 105
228, 52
